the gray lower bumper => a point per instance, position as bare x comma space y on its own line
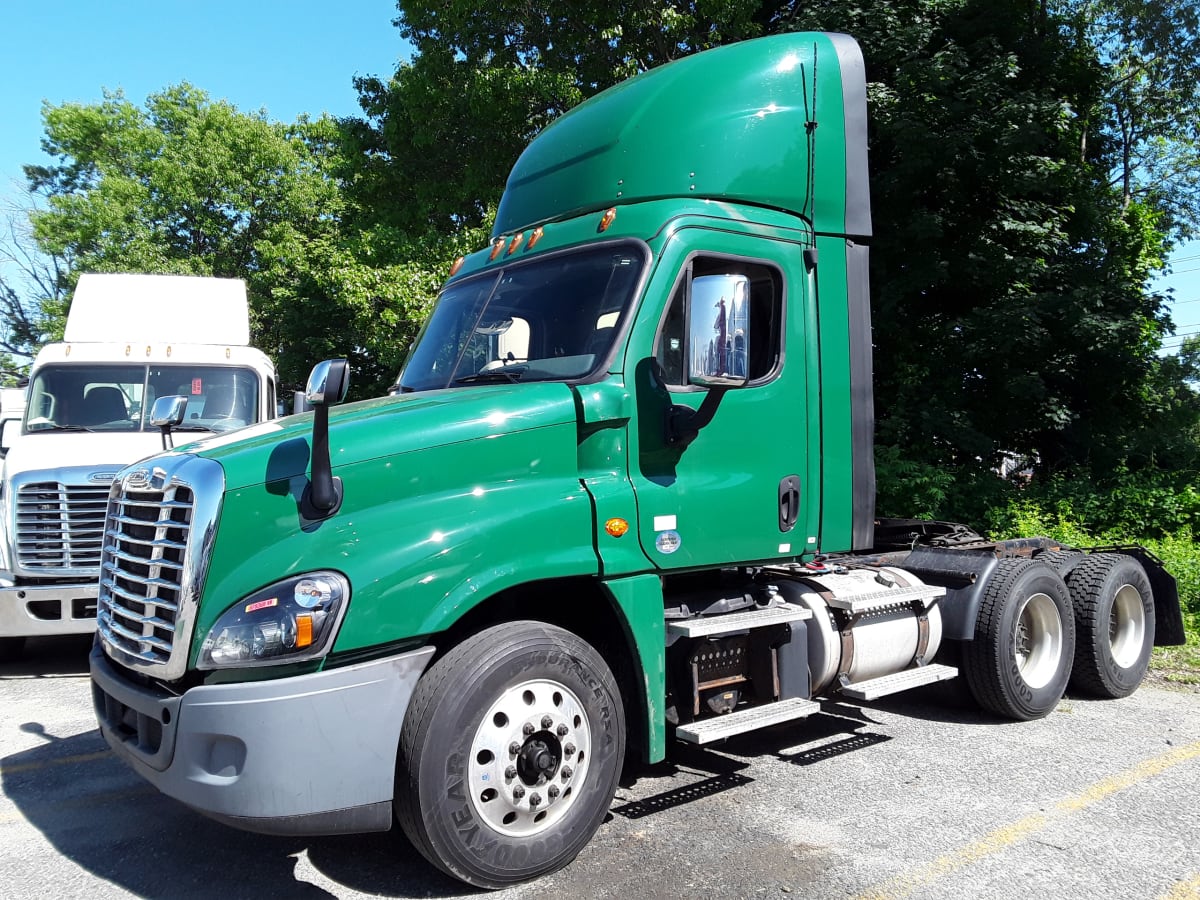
311, 754
48, 610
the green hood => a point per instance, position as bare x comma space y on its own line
386, 426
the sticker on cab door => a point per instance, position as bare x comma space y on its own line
667, 541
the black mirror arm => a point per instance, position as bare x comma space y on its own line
324, 493
684, 423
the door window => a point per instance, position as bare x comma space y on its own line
759, 352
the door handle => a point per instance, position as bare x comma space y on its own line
789, 502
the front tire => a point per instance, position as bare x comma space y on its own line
1019, 662
1114, 620
510, 754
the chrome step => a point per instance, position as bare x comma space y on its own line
707, 730
861, 603
738, 621
900, 681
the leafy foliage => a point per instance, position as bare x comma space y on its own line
187, 185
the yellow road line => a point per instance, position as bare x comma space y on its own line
1184, 890
1007, 835
14, 768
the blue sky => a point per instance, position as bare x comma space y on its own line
285, 56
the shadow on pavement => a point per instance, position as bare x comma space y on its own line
96, 812
49, 656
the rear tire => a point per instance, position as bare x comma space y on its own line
465, 799
1114, 622
1019, 662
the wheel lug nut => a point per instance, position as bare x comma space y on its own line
547, 722
553, 792
562, 730
569, 749
510, 773
518, 792
528, 729
535, 800
566, 772
514, 748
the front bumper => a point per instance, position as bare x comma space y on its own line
47, 609
310, 754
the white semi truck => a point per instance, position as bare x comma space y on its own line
129, 339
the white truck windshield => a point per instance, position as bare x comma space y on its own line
118, 397
549, 319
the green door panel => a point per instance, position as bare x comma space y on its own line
716, 502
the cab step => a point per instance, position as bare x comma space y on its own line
899, 681
856, 604
731, 623
708, 730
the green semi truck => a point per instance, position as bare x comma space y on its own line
621, 495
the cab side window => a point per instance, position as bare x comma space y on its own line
759, 350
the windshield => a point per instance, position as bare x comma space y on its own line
554, 318
118, 397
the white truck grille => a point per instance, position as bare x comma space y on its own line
59, 526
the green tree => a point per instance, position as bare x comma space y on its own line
188, 185
1010, 257
1150, 99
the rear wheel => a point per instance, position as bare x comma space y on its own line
510, 754
1114, 620
1020, 659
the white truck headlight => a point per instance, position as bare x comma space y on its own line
289, 621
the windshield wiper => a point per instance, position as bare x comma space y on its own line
509, 374
38, 428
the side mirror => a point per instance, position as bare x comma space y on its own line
719, 331
165, 414
328, 383
8, 434
327, 386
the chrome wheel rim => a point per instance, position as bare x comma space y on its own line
529, 756
1038, 643
1126, 626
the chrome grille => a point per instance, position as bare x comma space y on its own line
142, 570
59, 526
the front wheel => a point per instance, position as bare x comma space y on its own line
510, 754
1020, 659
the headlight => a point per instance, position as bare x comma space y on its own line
289, 621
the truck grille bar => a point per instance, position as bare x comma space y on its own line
144, 546
59, 526
155, 545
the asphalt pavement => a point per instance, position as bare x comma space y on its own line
920, 795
